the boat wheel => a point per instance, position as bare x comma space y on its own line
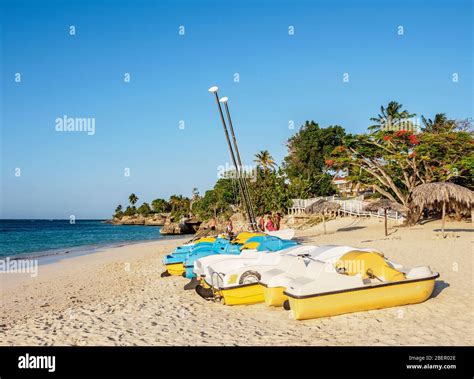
249, 277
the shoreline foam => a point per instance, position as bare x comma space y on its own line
51, 256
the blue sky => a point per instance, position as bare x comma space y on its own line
282, 77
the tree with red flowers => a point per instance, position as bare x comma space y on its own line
394, 163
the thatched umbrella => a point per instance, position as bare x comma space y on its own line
322, 207
448, 196
386, 205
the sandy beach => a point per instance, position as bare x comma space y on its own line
116, 297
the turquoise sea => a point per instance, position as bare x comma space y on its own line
51, 237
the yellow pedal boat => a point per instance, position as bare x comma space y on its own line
275, 281
236, 280
176, 269
359, 281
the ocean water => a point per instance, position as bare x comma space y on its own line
50, 237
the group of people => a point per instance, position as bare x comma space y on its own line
228, 229
265, 223
269, 222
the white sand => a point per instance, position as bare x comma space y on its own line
117, 297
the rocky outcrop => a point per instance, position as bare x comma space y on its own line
183, 226
188, 225
239, 223
157, 219
129, 220
191, 225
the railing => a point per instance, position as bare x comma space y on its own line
299, 205
356, 208
352, 207
303, 203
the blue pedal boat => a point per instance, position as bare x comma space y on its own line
260, 243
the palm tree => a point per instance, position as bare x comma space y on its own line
194, 198
133, 199
118, 209
179, 202
160, 205
440, 124
265, 160
144, 209
392, 118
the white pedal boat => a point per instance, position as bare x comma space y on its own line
275, 281
201, 265
237, 279
358, 281
284, 234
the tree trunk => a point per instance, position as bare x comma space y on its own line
413, 216
324, 223
443, 217
385, 221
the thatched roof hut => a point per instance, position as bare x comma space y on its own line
433, 195
447, 196
384, 204
323, 207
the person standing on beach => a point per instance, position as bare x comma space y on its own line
212, 224
269, 226
261, 223
229, 228
277, 219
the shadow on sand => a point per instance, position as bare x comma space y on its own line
455, 230
350, 228
303, 239
440, 285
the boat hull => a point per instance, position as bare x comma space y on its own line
356, 300
189, 273
274, 296
176, 269
203, 283
243, 295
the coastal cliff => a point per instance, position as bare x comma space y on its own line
183, 226
165, 220
157, 219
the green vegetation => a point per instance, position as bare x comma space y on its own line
177, 205
269, 191
218, 201
160, 206
392, 158
264, 160
133, 199
305, 165
144, 209
392, 118
180, 206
